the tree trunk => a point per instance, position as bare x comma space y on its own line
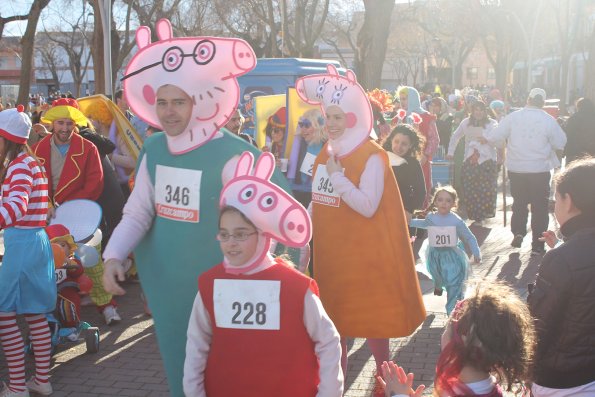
371, 42
97, 48
27, 45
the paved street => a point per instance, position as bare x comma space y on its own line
128, 363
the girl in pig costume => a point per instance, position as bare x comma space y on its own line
363, 259
257, 317
186, 87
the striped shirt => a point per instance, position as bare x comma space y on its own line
24, 200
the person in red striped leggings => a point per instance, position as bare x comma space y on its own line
27, 280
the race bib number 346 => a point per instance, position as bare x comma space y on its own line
247, 304
177, 193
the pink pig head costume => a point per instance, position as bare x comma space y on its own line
363, 260
187, 87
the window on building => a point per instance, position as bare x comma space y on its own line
472, 73
3, 63
491, 74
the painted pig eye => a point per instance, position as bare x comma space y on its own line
338, 94
267, 202
321, 86
247, 194
204, 52
172, 59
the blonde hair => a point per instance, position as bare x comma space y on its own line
315, 117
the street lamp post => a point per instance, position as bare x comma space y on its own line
105, 10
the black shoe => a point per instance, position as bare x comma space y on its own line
438, 291
517, 241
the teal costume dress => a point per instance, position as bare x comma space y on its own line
173, 254
448, 265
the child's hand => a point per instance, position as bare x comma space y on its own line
477, 260
395, 381
549, 238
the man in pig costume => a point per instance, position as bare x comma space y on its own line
186, 87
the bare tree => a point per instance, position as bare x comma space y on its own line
371, 42
27, 45
73, 38
252, 21
13, 18
302, 25
340, 32
49, 53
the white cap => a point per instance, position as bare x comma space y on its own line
15, 125
537, 91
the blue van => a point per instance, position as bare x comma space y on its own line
272, 76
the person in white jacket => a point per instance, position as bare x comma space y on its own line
532, 137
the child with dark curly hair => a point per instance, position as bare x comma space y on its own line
487, 346
406, 144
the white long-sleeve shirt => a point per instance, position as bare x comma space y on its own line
471, 135
319, 326
533, 136
366, 197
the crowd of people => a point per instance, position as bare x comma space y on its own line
312, 249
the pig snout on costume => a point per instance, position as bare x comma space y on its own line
295, 225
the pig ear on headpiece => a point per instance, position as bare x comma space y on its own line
244, 165
164, 30
265, 166
331, 69
143, 37
351, 76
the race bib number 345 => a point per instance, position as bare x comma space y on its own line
247, 304
322, 188
177, 193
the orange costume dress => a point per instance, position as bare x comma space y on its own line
364, 266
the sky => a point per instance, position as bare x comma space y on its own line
18, 7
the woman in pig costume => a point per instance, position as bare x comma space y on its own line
364, 263
186, 87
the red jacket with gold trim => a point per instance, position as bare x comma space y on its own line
82, 175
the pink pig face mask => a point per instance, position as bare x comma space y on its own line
344, 103
273, 211
204, 68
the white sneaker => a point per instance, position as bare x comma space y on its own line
45, 389
6, 392
111, 315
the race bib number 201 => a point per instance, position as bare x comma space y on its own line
177, 193
247, 304
442, 236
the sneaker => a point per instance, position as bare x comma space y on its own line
517, 241
45, 389
6, 392
111, 315
438, 291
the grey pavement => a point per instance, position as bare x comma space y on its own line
128, 362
